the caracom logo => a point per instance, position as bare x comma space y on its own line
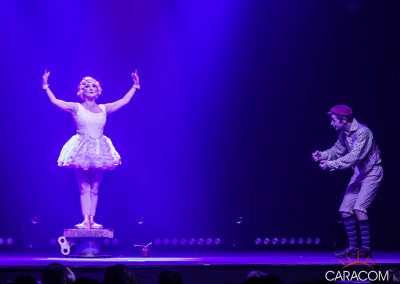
357, 271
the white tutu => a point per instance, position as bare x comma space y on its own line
89, 149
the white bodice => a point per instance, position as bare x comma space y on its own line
90, 123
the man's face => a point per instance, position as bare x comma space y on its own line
337, 122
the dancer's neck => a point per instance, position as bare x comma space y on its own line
89, 104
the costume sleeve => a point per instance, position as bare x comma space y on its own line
360, 149
338, 150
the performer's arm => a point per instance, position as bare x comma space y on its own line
360, 149
65, 106
335, 152
112, 107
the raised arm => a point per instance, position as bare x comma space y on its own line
112, 107
65, 106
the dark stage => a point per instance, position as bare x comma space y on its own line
223, 153
217, 267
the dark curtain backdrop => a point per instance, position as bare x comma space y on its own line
233, 101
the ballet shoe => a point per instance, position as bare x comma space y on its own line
93, 224
85, 223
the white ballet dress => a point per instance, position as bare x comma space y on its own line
89, 148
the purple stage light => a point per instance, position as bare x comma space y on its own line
317, 241
257, 241
209, 241
239, 220
300, 241
1, 241
217, 241
292, 241
266, 241
283, 241
9, 241
35, 220
174, 241
275, 241
192, 241
115, 242
200, 241
184, 242
165, 241
157, 242
140, 221
53, 241
309, 241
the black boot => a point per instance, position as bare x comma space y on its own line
365, 250
350, 225
349, 251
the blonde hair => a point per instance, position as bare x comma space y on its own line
87, 80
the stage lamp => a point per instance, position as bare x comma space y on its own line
217, 241
165, 241
192, 241
239, 220
266, 241
140, 221
9, 241
209, 241
275, 241
300, 241
183, 242
292, 241
174, 241
257, 241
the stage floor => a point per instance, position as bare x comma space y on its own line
210, 267
211, 258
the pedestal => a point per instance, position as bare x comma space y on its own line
84, 242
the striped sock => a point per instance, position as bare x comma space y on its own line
350, 225
365, 233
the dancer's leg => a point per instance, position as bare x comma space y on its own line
369, 189
96, 178
365, 236
95, 181
349, 218
84, 187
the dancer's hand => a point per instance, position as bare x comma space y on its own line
135, 78
316, 156
323, 164
45, 77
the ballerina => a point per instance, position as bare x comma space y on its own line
89, 152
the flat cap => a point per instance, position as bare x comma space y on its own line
341, 110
